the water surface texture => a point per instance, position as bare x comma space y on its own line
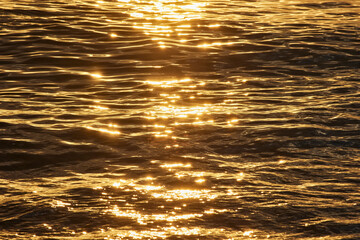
179, 119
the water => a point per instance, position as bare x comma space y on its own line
172, 119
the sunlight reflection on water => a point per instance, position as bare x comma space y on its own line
171, 119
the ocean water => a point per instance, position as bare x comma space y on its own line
171, 119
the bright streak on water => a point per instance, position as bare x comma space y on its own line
171, 119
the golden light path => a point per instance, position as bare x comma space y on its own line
178, 103
169, 119
175, 106
178, 107
171, 23
168, 22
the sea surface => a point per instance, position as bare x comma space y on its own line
179, 119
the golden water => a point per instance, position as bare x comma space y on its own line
171, 119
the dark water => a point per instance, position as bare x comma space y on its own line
172, 119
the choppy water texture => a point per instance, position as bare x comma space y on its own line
178, 119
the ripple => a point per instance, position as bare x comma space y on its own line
179, 120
